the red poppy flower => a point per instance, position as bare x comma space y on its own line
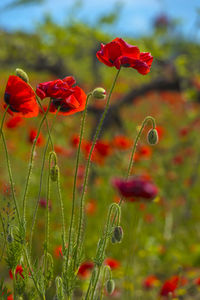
112, 263
121, 142
136, 187
91, 207
62, 93
119, 53
19, 270
32, 136
101, 150
10, 297
75, 140
43, 203
84, 269
171, 285
150, 282
20, 97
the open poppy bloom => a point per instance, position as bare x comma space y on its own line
118, 54
136, 187
20, 97
63, 95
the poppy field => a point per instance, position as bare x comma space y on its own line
100, 154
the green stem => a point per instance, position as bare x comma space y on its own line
46, 121
31, 165
101, 249
40, 185
75, 180
42, 297
11, 177
80, 226
62, 211
106, 269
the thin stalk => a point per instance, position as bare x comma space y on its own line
80, 226
40, 185
42, 297
62, 210
75, 180
31, 165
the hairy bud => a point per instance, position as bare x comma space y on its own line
20, 73
152, 137
118, 234
110, 286
54, 173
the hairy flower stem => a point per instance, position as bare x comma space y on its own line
9, 169
52, 156
62, 210
31, 166
74, 184
80, 226
42, 296
101, 249
40, 185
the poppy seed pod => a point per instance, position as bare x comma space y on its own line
20, 73
54, 173
152, 137
99, 93
110, 286
118, 233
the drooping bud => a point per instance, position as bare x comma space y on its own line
54, 173
99, 93
152, 137
20, 73
118, 233
110, 286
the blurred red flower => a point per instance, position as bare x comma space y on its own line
20, 97
136, 187
171, 284
58, 251
112, 263
19, 270
121, 142
14, 122
85, 269
119, 53
101, 150
69, 99
150, 282
32, 136
75, 140
91, 207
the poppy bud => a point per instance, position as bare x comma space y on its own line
110, 286
152, 137
54, 173
99, 93
118, 234
20, 73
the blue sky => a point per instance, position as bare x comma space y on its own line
136, 16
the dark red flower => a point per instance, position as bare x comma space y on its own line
58, 251
19, 270
84, 269
119, 53
20, 97
171, 285
112, 263
62, 93
32, 136
136, 187
43, 203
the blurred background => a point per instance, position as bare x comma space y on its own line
52, 39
